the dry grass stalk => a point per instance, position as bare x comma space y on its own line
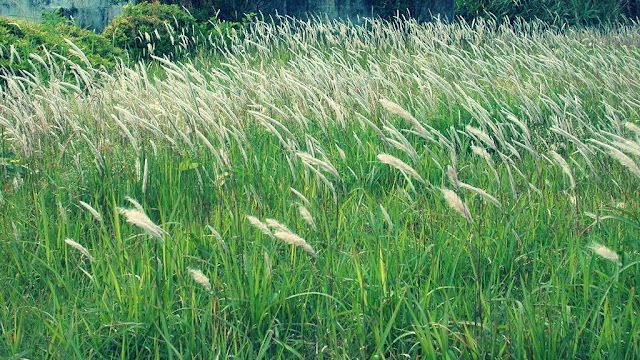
96, 215
80, 248
457, 204
200, 278
296, 240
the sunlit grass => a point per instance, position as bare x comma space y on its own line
329, 190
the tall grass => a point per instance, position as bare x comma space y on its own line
520, 140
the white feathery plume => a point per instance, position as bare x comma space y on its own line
482, 193
324, 165
621, 157
200, 278
386, 216
633, 127
296, 240
605, 252
562, 163
80, 248
306, 216
400, 165
302, 197
278, 226
145, 176
138, 218
135, 204
96, 215
482, 136
255, 222
398, 110
452, 176
218, 237
267, 262
456, 203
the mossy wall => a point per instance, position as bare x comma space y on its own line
92, 14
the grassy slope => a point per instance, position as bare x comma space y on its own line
528, 115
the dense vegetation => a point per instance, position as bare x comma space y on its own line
46, 41
328, 190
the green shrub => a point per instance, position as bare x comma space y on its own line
153, 28
555, 12
19, 38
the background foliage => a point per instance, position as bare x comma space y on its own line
555, 12
19, 38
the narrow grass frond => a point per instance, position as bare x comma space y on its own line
278, 226
302, 197
400, 165
80, 248
398, 110
605, 252
306, 216
386, 217
457, 204
140, 219
255, 222
200, 278
296, 240
96, 215
482, 193
218, 237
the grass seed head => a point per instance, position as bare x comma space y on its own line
296, 240
80, 248
255, 222
400, 165
200, 278
605, 252
96, 215
140, 219
457, 204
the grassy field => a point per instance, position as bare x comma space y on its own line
386, 190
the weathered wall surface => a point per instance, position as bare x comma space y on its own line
420, 9
96, 14
93, 14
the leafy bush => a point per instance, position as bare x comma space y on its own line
19, 38
152, 28
556, 12
167, 30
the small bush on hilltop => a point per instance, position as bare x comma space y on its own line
151, 28
167, 30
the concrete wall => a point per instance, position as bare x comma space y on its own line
97, 14
421, 9
92, 14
